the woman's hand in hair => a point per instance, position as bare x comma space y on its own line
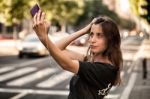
87, 28
94, 20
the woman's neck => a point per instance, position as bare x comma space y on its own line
100, 58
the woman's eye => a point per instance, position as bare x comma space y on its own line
100, 35
91, 34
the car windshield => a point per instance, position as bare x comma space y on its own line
31, 38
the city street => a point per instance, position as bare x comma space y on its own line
42, 78
99, 29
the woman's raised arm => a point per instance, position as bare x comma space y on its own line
41, 26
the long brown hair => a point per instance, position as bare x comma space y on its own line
113, 39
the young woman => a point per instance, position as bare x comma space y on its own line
96, 72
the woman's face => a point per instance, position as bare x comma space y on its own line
97, 39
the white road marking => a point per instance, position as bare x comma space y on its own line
128, 88
5, 69
17, 73
48, 92
131, 67
122, 74
112, 96
56, 79
31, 77
113, 88
67, 86
35, 91
20, 95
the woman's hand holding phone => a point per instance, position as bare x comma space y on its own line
40, 24
34, 10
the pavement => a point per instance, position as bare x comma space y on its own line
140, 86
141, 89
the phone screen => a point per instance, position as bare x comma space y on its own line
34, 10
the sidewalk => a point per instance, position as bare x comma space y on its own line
141, 89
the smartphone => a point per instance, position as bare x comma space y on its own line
34, 9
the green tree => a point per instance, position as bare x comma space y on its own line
140, 8
13, 10
62, 11
94, 8
146, 8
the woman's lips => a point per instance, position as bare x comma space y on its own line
93, 47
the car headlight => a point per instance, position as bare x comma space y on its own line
19, 48
40, 47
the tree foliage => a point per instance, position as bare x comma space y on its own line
94, 8
138, 7
63, 11
60, 10
12, 11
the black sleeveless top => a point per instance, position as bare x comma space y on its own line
93, 80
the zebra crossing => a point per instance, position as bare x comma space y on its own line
29, 78
25, 75
56, 79
16, 73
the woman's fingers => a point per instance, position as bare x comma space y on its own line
42, 16
34, 20
40, 25
38, 19
94, 20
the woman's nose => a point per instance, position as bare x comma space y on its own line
93, 39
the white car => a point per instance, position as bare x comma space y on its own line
30, 46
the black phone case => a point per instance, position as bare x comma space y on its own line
34, 10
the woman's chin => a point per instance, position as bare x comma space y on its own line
94, 51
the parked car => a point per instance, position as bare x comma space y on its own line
31, 46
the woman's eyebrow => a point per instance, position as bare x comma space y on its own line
99, 33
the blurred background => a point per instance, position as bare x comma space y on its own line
28, 71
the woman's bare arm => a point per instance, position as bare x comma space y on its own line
41, 27
64, 42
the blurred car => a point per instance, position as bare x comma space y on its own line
6, 36
81, 41
31, 46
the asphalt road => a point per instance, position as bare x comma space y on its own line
42, 78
